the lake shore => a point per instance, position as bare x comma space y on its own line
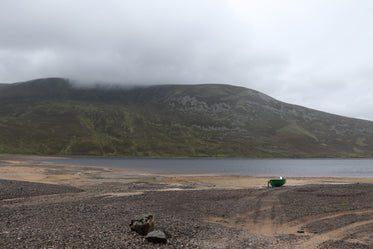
36, 169
91, 207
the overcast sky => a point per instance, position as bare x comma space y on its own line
314, 53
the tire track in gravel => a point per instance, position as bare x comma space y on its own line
263, 218
316, 219
304, 221
336, 234
266, 212
267, 220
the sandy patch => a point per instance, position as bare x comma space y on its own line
232, 182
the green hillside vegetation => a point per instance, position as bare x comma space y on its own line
54, 117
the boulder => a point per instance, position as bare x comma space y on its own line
156, 237
142, 224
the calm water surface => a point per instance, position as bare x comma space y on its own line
235, 167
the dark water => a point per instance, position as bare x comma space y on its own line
235, 167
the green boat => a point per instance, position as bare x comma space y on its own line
277, 182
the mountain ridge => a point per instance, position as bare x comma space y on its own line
53, 116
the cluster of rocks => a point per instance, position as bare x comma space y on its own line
144, 225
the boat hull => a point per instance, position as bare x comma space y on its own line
276, 182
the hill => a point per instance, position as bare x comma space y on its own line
53, 117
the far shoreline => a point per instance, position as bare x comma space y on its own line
39, 169
182, 157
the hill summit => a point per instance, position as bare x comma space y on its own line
52, 116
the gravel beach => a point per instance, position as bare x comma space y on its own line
96, 213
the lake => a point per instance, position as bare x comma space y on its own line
233, 167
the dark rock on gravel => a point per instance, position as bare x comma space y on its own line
156, 237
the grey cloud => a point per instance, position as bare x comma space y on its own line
144, 42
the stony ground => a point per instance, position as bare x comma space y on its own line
22, 189
35, 215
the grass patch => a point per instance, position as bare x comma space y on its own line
345, 204
295, 130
